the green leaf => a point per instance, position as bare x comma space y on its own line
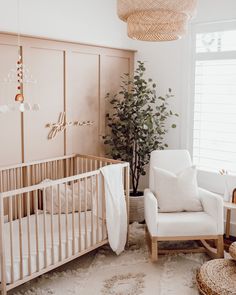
137, 122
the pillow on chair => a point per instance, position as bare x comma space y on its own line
177, 192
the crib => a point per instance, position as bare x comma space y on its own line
51, 212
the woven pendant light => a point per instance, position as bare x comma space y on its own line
156, 20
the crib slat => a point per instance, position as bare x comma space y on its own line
85, 212
32, 182
103, 207
59, 221
127, 200
97, 209
20, 234
81, 165
79, 213
41, 172
35, 194
52, 227
45, 229
8, 180
67, 226
67, 170
18, 184
75, 168
1, 181
92, 213
56, 169
21, 196
73, 219
11, 239
20, 204
45, 170
77, 165
29, 234
53, 171
14, 198
37, 181
2, 249
71, 167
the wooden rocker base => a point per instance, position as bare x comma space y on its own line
217, 252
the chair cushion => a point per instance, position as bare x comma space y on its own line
177, 192
185, 224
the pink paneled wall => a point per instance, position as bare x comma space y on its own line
69, 77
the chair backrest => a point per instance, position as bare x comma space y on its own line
171, 160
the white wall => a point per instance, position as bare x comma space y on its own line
87, 21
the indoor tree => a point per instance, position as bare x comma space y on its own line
137, 123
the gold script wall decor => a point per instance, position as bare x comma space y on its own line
62, 124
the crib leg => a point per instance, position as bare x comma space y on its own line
2, 250
3, 290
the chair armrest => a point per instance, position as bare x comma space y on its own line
213, 205
151, 211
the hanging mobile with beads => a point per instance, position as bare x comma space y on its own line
19, 72
21, 75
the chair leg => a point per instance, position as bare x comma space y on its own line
152, 245
154, 250
148, 238
220, 247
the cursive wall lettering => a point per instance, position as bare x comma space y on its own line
61, 125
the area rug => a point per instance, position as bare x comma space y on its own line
103, 273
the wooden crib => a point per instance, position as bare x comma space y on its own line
44, 224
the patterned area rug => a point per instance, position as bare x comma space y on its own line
103, 273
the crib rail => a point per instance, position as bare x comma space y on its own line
51, 223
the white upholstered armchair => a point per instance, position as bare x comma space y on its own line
204, 225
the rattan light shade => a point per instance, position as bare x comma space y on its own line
156, 20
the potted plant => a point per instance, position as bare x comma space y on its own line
137, 125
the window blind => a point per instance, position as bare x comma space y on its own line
214, 128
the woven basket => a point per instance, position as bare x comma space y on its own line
136, 209
217, 277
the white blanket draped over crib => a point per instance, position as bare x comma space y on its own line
116, 214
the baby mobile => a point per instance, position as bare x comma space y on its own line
21, 75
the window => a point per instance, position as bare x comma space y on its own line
214, 128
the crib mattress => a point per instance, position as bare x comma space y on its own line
82, 241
